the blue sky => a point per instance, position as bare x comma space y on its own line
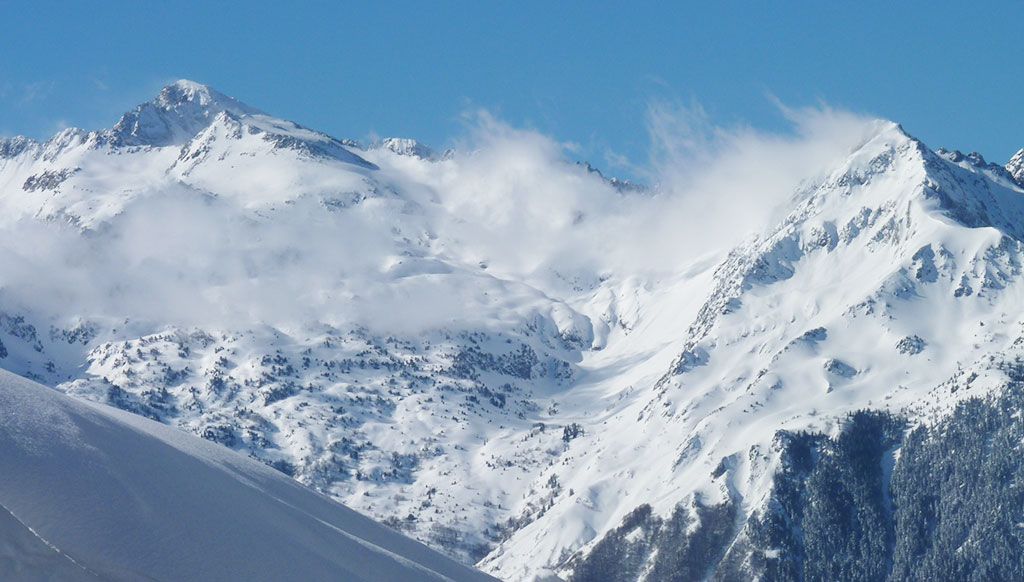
581, 72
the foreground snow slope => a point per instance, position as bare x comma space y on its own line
92, 493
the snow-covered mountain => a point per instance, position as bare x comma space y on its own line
93, 493
485, 351
294, 297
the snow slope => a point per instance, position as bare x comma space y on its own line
26, 556
90, 492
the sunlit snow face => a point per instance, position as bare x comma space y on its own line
417, 243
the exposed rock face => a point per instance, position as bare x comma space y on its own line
1016, 166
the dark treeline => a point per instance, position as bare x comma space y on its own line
877, 502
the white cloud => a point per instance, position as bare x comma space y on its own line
411, 254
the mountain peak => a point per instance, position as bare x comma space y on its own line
178, 112
185, 92
1016, 166
407, 147
190, 86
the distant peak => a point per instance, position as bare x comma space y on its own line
1016, 167
13, 146
1013, 171
622, 185
956, 156
180, 111
407, 147
184, 91
189, 86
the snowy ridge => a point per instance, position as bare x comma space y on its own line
919, 244
482, 366
1016, 166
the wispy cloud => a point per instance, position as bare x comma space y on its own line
510, 198
36, 91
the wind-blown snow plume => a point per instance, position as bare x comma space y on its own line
724, 183
508, 199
